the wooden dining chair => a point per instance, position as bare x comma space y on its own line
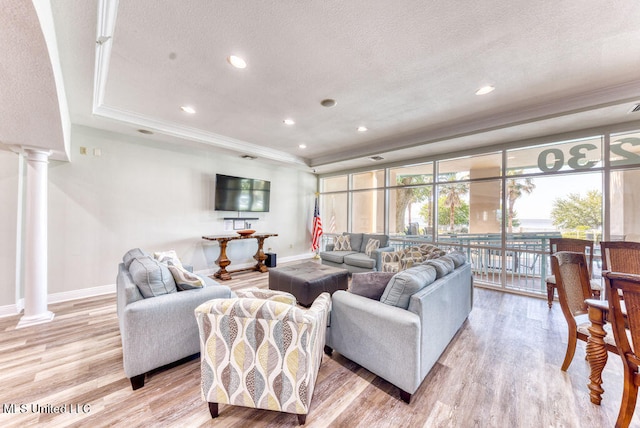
572, 282
623, 290
620, 256
575, 245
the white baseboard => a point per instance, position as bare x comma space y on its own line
64, 296
9, 310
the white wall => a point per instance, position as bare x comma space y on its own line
155, 196
8, 225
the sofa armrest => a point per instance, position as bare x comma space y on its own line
377, 255
160, 330
383, 339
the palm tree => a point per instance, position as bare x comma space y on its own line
516, 187
453, 197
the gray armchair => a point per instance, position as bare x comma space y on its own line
158, 330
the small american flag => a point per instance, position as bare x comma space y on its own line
317, 228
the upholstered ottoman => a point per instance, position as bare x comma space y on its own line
307, 280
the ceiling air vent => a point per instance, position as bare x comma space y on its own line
635, 109
249, 157
376, 158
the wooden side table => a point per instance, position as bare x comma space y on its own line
223, 261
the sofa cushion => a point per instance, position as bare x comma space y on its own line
342, 243
384, 241
458, 258
133, 254
356, 241
151, 277
442, 265
373, 244
335, 256
404, 284
184, 279
360, 260
370, 284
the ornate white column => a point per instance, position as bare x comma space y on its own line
35, 243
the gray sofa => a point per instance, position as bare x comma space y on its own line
401, 343
161, 329
356, 259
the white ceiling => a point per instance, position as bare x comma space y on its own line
406, 70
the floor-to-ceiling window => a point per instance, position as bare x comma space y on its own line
500, 207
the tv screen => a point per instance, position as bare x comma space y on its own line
241, 194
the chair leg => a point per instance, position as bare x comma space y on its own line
550, 289
328, 350
629, 397
137, 382
406, 397
571, 350
302, 419
213, 409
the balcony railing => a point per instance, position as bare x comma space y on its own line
523, 265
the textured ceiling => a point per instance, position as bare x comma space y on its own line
408, 71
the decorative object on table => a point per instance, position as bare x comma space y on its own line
263, 368
245, 232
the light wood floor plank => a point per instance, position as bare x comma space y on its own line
502, 369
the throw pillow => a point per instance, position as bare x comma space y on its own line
404, 284
167, 256
133, 254
184, 279
342, 243
442, 265
152, 277
370, 284
373, 244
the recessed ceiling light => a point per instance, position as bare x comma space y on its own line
188, 109
236, 61
288, 122
249, 157
302, 146
362, 129
485, 90
329, 102
376, 158
145, 131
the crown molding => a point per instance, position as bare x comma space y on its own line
107, 13
194, 134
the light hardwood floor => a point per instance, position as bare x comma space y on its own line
501, 370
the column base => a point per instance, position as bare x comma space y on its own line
27, 321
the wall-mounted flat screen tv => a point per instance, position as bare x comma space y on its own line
241, 194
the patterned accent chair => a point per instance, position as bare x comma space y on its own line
260, 350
